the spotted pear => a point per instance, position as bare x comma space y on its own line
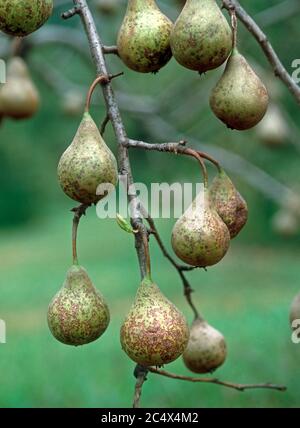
155, 332
206, 349
22, 17
201, 39
239, 99
144, 37
200, 237
19, 96
229, 204
78, 313
86, 164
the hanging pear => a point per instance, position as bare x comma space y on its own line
240, 99
86, 164
144, 37
201, 39
155, 332
78, 313
200, 237
206, 349
228, 202
19, 96
22, 17
273, 130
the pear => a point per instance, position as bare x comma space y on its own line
273, 130
78, 313
229, 204
286, 223
155, 332
240, 99
201, 39
22, 17
19, 96
206, 349
295, 310
200, 237
86, 164
144, 37
72, 103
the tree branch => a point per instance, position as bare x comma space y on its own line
259, 35
140, 373
238, 386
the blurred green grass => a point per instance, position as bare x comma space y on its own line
247, 297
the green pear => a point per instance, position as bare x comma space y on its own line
155, 332
240, 99
78, 313
144, 37
86, 164
229, 204
200, 237
201, 39
206, 349
22, 17
19, 96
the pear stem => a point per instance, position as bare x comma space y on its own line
78, 213
100, 79
147, 254
196, 155
234, 26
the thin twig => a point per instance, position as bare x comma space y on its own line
260, 36
140, 373
70, 13
238, 386
104, 124
108, 50
78, 213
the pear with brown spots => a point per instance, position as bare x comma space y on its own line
78, 313
229, 204
19, 96
86, 164
240, 99
201, 39
155, 332
22, 17
144, 37
206, 350
200, 237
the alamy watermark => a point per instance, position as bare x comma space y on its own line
296, 72
2, 332
160, 200
296, 332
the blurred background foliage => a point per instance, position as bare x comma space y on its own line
247, 296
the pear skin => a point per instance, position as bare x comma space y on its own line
144, 37
86, 164
201, 39
78, 313
240, 99
22, 17
155, 332
200, 237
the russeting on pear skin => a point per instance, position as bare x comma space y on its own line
86, 164
144, 37
155, 332
22, 17
206, 349
240, 99
229, 204
78, 313
19, 96
200, 237
201, 39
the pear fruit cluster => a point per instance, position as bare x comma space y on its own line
78, 314
155, 332
23, 17
206, 349
19, 98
